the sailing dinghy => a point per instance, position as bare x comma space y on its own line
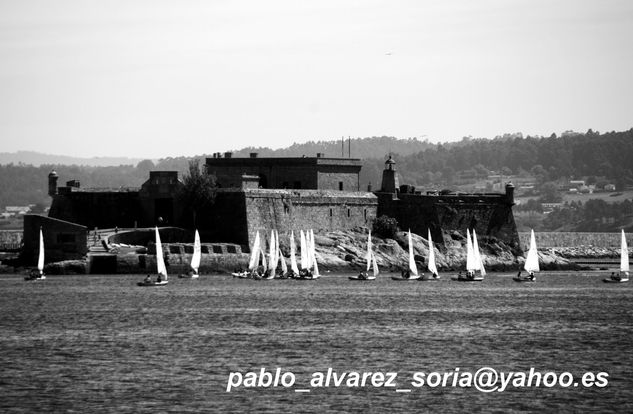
195, 259
473, 261
531, 262
412, 272
161, 269
431, 266
624, 264
38, 274
371, 264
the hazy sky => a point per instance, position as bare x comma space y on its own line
168, 78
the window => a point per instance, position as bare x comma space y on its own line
331, 213
348, 213
340, 185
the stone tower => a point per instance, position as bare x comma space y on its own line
510, 193
52, 183
389, 177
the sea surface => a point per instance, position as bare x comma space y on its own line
102, 344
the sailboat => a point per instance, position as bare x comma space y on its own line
624, 264
309, 268
38, 274
431, 266
252, 261
371, 263
293, 259
473, 261
161, 269
272, 256
195, 259
412, 272
479, 262
531, 262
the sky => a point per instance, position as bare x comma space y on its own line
160, 78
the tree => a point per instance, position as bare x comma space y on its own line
549, 193
385, 227
198, 190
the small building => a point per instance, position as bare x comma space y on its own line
299, 173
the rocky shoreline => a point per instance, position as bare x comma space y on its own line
344, 251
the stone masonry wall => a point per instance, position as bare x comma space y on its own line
289, 211
489, 215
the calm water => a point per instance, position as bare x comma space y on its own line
88, 343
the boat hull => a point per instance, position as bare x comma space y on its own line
362, 279
152, 284
428, 279
615, 281
522, 279
476, 279
414, 278
188, 276
32, 279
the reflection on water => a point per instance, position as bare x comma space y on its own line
83, 343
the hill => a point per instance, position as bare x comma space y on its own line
38, 158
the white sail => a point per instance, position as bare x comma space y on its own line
197, 253
624, 255
313, 260
252, 263
160, 261
309, 257
304, 255
432, 267
412, 267
531, 261
470, 255
272, 253
40, 259
262, 254
293, 259
369, 252
479, 262
374, 264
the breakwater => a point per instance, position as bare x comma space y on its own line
572, 239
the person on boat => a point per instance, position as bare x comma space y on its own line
519, 275
405, 274
148, 279
531, 276
435, 276
362, 275
615, 277
159, 278
470, 275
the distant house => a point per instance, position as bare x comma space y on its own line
609, 187
549, 207
577, 183
17, 209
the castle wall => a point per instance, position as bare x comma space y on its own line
96, 209
289, 211
488, 214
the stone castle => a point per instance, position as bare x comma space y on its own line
260, 194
